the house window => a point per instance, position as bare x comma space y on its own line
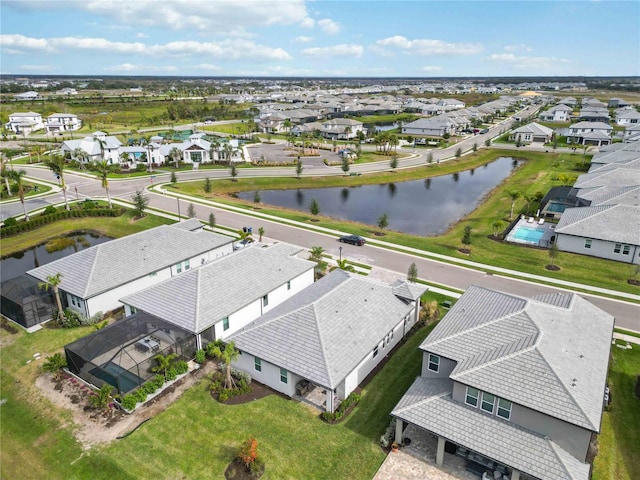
153, 274
587, 243
225, 323
472, 396
179, 267
284, 375
289, 285
265, 300
257, 364
375, 351
504, 408
434, 362
186, 265
625, 249
617, 248
488, 401
391, 334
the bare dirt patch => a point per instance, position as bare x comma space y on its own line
94, 426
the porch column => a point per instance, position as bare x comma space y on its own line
398, 437
199, 342
329, 395
417, 311
440, 452
515, 474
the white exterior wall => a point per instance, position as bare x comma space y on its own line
599, 248
269, 374
252, 311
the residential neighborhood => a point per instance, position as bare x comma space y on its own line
320, 240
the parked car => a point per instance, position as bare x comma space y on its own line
484, 130
352, 239
242, 243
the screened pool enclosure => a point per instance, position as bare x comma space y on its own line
122, 354
24, 303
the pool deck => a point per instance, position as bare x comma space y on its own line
547, 227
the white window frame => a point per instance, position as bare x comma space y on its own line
617, 247
467, 396
284, 375
587, 243
289, 285
179, 267
187, 265
433, 360
626, 249
375, 351
225, 324
257, 364
505, 409
493, 402
265, 300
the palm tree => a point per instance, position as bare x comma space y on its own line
261, 233
164, 363
57, 164
5, 172
80, 156
102, 168
412, 273
17, 176
497, 226
513, 195
175, 154
227, 354
316, 254
344, 265
53, 282
101, 144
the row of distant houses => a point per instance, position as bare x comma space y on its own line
515, 385
195, 150
581, 133
24, 123
592, 110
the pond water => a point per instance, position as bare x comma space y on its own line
18, 263
419, 207
386, 128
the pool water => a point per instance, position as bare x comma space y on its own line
114, 374
528, 234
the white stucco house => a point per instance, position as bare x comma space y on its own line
24, 123
94, 147
330, 336
558, 113
94, 280
513, 385
62, 122
431, 127
627, 116
220, 297
590, 133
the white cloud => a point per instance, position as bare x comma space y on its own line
130, 67
528, 63
520, 46
431, 68
235, 49
36, 68
124, 67
303, 39
342, 50
307, 22
141, 35
208, 66
425, 47
219, 16
328, 26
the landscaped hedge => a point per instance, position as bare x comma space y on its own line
351, 401
38, 221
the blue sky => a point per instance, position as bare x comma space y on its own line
320, 38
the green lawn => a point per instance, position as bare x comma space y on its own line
196, 437
540, 172
619, 441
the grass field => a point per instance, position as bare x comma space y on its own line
619, 441
37, 439
540, 172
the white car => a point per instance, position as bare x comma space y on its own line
243, 243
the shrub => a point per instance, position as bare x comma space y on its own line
141, 395
129, 402
88, 205
181, 367
10, 222
352, 399
49, 210
201, 357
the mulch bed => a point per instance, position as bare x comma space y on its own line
553, 268
466, 251
258, 391
631, 281
237, 471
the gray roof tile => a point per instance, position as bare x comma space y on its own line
197, 299
613, 223
325, 331
549, 353
103, 267
428, 404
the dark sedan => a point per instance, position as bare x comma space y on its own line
352, 239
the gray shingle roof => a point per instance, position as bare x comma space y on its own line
611, 196
103, 267
325, 331
428, 404
535, 129
549, 354
613, 223
197, 299
618, 177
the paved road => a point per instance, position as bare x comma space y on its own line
627, 314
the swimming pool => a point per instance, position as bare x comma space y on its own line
114, 374
528, 234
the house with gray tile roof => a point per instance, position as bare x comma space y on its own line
330, 336
590, 133
516, 384
627, 116
222, 296
532, 132
94, 279
557, 113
